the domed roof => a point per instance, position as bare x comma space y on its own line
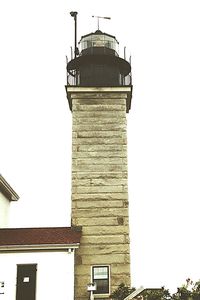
98, 32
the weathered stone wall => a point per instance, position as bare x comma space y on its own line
99, 187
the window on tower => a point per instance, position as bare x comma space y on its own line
100, 276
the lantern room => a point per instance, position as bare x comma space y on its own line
98, 39
98, 63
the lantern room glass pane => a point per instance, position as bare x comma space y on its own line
98, 40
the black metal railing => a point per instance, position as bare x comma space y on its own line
73, 79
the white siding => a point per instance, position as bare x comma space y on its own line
54, 278
4, 211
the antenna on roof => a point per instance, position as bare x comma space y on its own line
98, 17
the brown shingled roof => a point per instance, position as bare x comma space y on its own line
39, 236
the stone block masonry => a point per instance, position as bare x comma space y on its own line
99, 185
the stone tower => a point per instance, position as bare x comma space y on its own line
99, 93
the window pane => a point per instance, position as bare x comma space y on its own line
102, 286
101, 273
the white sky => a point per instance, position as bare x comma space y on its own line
163, 125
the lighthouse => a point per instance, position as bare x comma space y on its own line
99, 92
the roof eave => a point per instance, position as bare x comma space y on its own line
39, 247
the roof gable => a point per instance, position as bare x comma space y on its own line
7, 190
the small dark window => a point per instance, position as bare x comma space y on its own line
100, 275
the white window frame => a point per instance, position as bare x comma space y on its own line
109, 277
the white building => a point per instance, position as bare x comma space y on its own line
7, 194
37, 263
